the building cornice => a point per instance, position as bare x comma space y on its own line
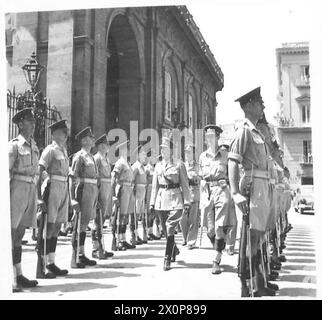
183, 16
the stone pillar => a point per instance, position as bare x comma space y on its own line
24, 43
60, 61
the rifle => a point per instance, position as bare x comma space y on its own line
76, 229
116, 219
42, 237
245, 248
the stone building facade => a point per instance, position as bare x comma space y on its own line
294, 118
106, 67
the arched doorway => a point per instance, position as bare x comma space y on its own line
123, 76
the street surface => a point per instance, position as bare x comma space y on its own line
138, 274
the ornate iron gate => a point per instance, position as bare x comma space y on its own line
45, 115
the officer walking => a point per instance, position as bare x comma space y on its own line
170, 195
190, 221
216, 204
83, 191
55, 162
249, 149
104, 201
23, 169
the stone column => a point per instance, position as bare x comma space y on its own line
60, 61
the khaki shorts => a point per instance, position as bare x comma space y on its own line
126, 193
23, 204
105, 198
88, 203
58, 202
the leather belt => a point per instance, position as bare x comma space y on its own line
88, 180
58, 178
170, 186
126, 183
262, 174
141, 184
105, 180
27, 179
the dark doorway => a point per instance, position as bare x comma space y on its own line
123, 76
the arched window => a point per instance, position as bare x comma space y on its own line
170, 90
190, 111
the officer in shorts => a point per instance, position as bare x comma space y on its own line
23, 169
215, 202
55, 162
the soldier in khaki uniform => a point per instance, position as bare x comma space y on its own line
23, 169
149, 169
137, 201
189, 222
170, 194
249, 149
83, 191
104, 201
55, 162
122, 176
215, 202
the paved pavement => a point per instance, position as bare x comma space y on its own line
138, 274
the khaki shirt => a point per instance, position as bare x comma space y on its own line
23, 157
103, 166
83, 166
55, 160
248, 147
170, 199
124, 170
213, 164
149, 169
192, 172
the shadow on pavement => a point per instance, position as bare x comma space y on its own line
304, 260
194, 265
299, 278
72, 287
136, 256
101, 275
299, 249
228, 268
297, 292
150, 248
300, 254
123, 265
299, 267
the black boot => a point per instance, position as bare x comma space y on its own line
168, 253
26, 283
55, 270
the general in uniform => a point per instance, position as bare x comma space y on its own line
104, 201
83, 191
249, 149
23, 170
170, 195
215, 202
55, 162
190, 222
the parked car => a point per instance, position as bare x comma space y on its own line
305, 199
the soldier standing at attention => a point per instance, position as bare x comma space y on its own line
23, 168
55, 162
137, 201
83, 191
122, 176
215, 203
170, 195
104, 201
249, 149
189, 222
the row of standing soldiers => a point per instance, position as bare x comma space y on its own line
243, 182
